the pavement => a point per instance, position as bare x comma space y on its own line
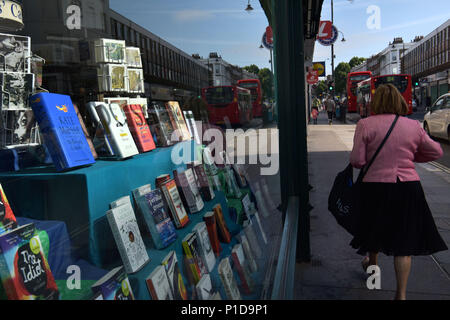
335, 271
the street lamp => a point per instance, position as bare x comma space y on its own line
343, 37
249, 7
261, 46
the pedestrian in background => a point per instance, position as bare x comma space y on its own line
344, 107
314, 115
330, 106
395, 218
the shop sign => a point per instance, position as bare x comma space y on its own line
10, 16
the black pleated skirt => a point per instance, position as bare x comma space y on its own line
395, 219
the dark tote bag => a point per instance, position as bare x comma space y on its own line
344, 201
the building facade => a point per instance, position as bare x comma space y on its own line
428, 61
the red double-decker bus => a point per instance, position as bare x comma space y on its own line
364, 92
403, 82
352, 81
254, 85
230, 102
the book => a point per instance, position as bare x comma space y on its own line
253, 241
192, 249
205, 248
15, 53
211, 226
173, 201
158, 284
127, 236
204, 288
86, 134
139, 128
177, 120
203, 184
15, 90
224, 233
160, 124
211, 169
176, 282
162, 179
7, 218
157, 220
121, 101
117, 130
109, 51
143, 102
248, 210
115, 285
239, 262
187, 187
232, 189
249, 256
112, 77
101, 142
61, 131
228, 280
192, 126
133, 55
135, 80
24, 269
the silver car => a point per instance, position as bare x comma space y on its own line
437, 120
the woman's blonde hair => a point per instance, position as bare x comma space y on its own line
387, 99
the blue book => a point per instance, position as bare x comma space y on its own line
61, 130
151, 206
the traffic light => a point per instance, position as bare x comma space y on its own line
416, 83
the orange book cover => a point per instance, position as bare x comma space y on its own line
7, 218
224, 234
139, 128
211, 226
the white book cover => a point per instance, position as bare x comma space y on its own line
113, 77
128, 237
228, 280
248, 253
116, 127
158, 284
101, 141
192, 126
204, 288
205, 245
253, 241
133, 59
176, 282
135, 80
110, 51
15, 53
199, 204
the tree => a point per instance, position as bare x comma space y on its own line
253, 68
355, 61
266, 78
340, 77
320, 88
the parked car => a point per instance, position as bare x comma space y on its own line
437, 119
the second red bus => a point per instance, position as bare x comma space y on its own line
254, 85
352, 81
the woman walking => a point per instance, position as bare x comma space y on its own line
395, 217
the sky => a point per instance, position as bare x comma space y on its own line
223, 26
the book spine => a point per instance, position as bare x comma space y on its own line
212, 233
223, 230
193, 266
151, 289
119, 242
241, 273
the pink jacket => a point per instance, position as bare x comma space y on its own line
408, 143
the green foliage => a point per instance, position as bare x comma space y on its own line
253, 68
340, 76
320, 88
355, 61
266, 78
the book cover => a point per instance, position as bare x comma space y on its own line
224, 233
173, 201
7, 218
128, 238
135, 80
139, 128
253, 241
192, 126
211, 226
158, 284
133, 57
196, 265
115, 285
117, 130
143, 102
250, 257
176, 282
109, 51
24, 269
205, 247
157, 220
204, 186
15, 90
204, 288
112, 77
86, 134
61, 130
177, 120
15, 53
240, 264
228, 280
248, 206
187, 187
101, 142
160, 124
121, 101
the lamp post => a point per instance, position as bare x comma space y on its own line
249, 7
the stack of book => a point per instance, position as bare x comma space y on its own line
178, 122
187, 187
160, 124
